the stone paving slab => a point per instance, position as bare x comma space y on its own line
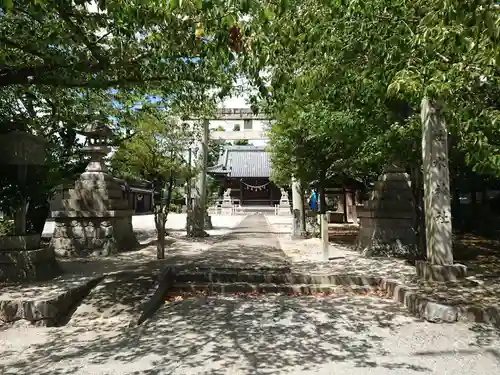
96, 282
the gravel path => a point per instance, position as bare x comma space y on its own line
343, 334
355, 335
251, 245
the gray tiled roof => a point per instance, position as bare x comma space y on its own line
244, 161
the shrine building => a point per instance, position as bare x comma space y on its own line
246, 171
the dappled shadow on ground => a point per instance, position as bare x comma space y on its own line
481, 255
179, 250
238, 253
250, 335
249, 246
217, 335
116, 300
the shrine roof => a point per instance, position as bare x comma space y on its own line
243, 161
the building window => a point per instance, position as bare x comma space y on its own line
247, 124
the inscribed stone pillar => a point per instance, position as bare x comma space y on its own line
298, 207
351, 214
437, 202
199, 219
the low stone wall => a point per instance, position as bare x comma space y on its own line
28, 265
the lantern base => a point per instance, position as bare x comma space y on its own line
84, 233
97, 219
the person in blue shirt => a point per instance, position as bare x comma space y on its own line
313, 201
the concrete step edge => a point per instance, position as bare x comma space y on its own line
263, 288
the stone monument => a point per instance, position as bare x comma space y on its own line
284, 205
387, 221
21, 257
437, 202
96, 219
227, 203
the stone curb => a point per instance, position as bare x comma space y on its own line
45, 311
438, 312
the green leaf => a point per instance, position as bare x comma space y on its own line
7, 4
174, 4
269, 14
229, 20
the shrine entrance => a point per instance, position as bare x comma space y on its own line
246, 171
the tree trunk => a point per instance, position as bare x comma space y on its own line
418, 204
167, 203
324, 223
303, 228
197, 220
344, 198
160, 226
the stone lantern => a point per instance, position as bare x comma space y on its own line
96, 220
97, 145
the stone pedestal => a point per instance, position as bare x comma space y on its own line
437, 199
96, 219
284, 205
388, 218
434, 272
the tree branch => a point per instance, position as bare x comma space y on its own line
94, 49
37, 75
25, 49
120, 141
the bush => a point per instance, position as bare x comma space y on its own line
6, 227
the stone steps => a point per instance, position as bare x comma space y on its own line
271, 277
264, 288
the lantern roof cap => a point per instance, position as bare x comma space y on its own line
96, 128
